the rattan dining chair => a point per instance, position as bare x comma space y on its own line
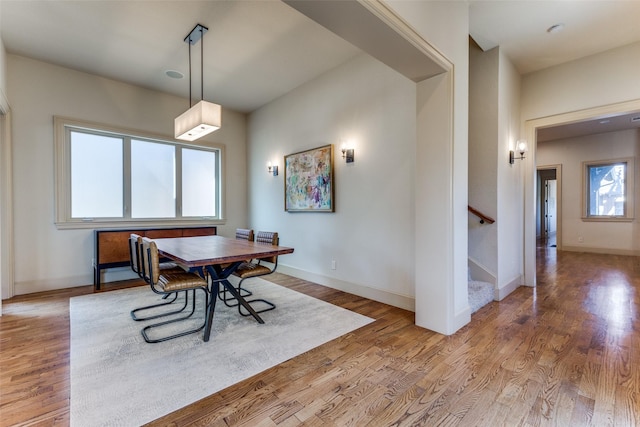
257, 268
166, 282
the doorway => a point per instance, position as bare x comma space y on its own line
531, 185
547, 209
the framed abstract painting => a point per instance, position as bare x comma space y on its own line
308, 180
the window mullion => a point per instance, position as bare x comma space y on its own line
178, 180
126, 181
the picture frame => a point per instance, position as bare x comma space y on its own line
308, 180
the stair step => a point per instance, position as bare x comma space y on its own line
480, 294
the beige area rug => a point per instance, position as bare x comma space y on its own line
119, 380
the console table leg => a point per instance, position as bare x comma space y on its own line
96, 278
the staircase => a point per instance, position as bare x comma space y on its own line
480, 294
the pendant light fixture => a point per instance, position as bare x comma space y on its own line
204, 117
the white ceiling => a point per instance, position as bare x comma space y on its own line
256, 51
590, 26
611, 123
519, 27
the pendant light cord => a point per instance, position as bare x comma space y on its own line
201, 64
190, 103
201, 29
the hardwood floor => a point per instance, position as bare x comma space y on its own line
566, 353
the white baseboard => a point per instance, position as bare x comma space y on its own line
400, 301
606, 251
33, 286
461, 319
124, 273
501, 293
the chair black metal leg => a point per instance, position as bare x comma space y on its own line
269, 304
191, 331
135, 317
231, 301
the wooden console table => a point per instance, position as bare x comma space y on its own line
112, 245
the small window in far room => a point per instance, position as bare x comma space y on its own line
608, 190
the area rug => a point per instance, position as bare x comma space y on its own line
119, 380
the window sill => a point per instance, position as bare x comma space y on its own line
79, 225
607, 219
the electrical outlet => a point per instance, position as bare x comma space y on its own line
580, 239
333, 264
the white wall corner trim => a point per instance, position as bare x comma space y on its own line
6, 209
4, 103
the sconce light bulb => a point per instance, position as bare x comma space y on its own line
522, 146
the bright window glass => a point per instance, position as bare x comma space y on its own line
107, 177
198, 171
607, 189
153, 187
96, 176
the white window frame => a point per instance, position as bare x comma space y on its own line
63, 218
629, 208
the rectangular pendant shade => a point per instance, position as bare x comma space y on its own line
198, 121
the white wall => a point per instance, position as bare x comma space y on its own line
442, 243
370, 235
438, 191
495, 185
4, 107
510, 184
604, 237
606, 78
4, 102
47, 258
483, 158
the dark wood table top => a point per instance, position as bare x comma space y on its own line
211, 250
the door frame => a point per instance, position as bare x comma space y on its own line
530, 131
558, 170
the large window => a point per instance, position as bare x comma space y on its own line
107, 176
608, 190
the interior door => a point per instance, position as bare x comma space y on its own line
550, 200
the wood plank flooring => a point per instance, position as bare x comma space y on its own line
566, 353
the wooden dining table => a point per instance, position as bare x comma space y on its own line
220, 257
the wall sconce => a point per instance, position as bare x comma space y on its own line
347, 153
272, 169
522, 148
